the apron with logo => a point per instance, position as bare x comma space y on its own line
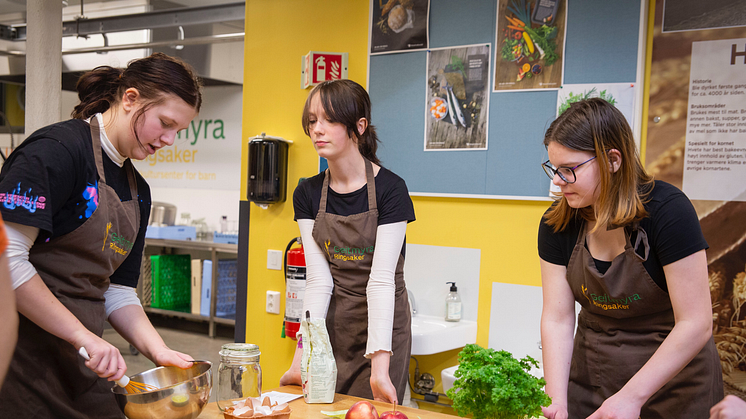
624, 319
47, 377
348, 242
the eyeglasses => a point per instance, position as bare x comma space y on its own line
567, 174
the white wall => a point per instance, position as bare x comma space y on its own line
428, 268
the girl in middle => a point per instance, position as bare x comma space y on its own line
353, 219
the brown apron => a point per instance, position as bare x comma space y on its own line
47, 377
624, 318
348, 242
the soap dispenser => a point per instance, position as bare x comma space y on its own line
453, 304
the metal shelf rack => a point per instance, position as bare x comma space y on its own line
214, 249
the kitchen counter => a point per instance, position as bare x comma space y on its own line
301, 409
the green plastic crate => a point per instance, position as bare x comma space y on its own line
171, 282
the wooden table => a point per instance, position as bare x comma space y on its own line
302, 410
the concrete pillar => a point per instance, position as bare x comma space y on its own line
43, 63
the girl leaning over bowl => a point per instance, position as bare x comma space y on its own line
76, 240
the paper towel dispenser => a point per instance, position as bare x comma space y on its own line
268, 169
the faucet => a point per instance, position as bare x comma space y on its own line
412, 305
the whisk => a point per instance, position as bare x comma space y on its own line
131, 387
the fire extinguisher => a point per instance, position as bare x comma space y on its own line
295, 286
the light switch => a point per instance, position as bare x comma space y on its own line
274, 259
273, 302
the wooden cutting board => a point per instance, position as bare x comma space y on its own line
302, 410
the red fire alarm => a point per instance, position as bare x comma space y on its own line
321, 66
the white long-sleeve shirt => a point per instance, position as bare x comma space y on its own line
380, 289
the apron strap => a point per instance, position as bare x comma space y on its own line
97, 153
372, 204
642, 237
130, 168
96, 141
324, 188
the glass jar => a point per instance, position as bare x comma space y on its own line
239, 373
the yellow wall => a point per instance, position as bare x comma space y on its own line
277, 35
504, 231
13, 110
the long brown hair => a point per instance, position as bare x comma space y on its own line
345, 102
596, 126
153, 77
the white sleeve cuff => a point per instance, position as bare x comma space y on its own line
20, 239
381, 287
319, 282
118, 296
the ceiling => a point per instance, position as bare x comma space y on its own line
9, 9
13, 12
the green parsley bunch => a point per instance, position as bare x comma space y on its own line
493, 385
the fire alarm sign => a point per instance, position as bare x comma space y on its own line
321, 66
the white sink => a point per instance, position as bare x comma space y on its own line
431, 334
447, 377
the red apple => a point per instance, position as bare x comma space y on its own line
393, 415
362, 410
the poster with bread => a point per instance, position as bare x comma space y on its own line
399, 25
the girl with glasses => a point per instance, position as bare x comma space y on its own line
631, 252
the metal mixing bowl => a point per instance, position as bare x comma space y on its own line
182, 393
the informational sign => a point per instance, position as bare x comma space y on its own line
715, 152
322, 66
206, 155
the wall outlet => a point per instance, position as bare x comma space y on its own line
274, 259
273, 302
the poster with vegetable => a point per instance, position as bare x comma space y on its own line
621, 95
399, 25
457, 102
530, 41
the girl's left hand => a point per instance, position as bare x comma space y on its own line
617, 407
380, 382
168, 357
383, 389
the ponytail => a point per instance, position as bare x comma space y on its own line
367, 144
152, 76
97, 90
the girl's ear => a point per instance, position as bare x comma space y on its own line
615, 160
130, 98
362, 125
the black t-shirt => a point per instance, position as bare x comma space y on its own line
54, 171
672, 227
392, 197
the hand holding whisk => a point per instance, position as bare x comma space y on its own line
130, 386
